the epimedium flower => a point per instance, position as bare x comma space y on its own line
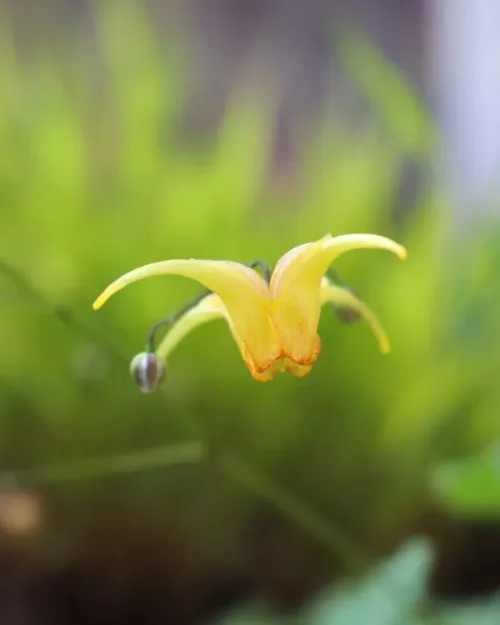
273, 319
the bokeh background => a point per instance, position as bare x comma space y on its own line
133, 131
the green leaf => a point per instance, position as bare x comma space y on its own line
477, 613
471, 487
390, 595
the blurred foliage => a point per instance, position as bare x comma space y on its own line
470, 487
94, 181
396, 592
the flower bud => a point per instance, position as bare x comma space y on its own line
148, 371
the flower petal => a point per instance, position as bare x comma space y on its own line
299, 371
220, 276
288, 264
244, 293
337, 295
321, 254
295, 288
211, 307
270, 373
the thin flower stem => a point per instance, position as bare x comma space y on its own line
264, 267
171, 319
63, 315
319, 528
96, 468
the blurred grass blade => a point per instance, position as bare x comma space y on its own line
322, 529
485, 612
387, 90
123, 464
391, 594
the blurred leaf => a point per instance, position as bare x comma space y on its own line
471, 487
390, 595
486, 612
388, 91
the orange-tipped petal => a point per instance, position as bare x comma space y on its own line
243, 292
210, 308
299, 371
295, 288
270, 373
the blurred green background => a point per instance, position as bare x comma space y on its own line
219, 499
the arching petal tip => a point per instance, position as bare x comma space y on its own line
344, 243
385, 346
101, 300
108, 292
97, 304
402, 253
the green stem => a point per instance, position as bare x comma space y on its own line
64, 316
122, 464
321, 529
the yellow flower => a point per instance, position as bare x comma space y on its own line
274, 324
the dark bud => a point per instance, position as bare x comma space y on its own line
148, 371
347, 316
